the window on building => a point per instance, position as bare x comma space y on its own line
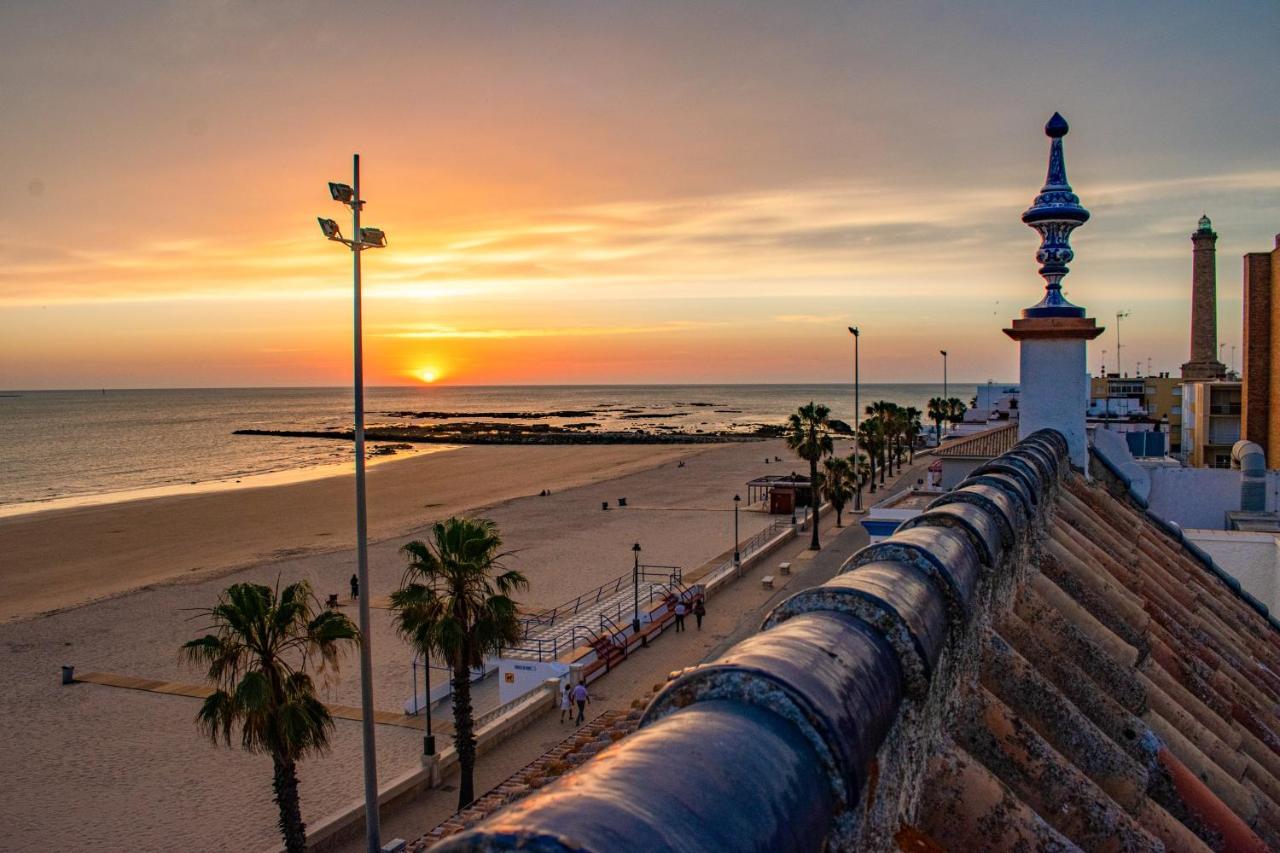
1222, 460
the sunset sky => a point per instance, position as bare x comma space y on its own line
611, 192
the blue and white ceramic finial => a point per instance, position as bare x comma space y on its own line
1055, 213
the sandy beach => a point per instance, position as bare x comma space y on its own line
60, 558
114, 769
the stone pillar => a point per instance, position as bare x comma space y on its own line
1053, 334
1259, 350
1204, 362
1054, 378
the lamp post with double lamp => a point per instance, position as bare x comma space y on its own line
635, 589
946, 396
857, 418
362, 238
737, 555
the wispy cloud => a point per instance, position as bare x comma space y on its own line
435, 331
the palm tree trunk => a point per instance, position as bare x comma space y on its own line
285, 784
839, 511
464, 734
813, 499
871, 465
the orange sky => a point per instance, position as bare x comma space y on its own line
606, 193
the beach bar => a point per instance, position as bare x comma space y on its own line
782, 493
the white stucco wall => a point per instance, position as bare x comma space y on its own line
1252, 558
955, 470
1055, 392
1201, 497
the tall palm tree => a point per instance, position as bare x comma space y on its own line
881, 411
837, 483
260, 654
911, 430
869, 438
454, 603
808, 434
955, 410
860, 469
939, 411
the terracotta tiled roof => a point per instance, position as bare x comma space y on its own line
1033, 664
987, 444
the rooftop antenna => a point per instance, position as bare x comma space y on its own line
1120, 315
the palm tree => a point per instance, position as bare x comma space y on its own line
869, 438
808, 434
956, 410
861, 471
837, 483
911, 431
939, 411
455, 604
259, 656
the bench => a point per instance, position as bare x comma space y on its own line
767, 581
332, 602
784, 568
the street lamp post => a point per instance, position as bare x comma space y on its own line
946, 396
1120, 315
857, 418
635, 585
362, 238
795, 496
737, 555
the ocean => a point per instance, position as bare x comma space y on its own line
61, 447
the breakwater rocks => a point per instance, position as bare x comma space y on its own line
502, 433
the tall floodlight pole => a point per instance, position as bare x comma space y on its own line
857, 420
362, 238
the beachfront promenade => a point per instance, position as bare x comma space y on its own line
733, 613
131, 745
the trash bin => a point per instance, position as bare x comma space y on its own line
68, 675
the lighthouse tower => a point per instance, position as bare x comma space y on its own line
1204, 362
1053, 334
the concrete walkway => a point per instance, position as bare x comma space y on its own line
732, 615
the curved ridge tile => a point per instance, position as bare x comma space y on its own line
827, 673
994, 502
944, 554
897, 600
1019, 469
1008, 484
1039, 460
650, 792
1054, 438
982, 530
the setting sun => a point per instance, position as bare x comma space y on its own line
428, 375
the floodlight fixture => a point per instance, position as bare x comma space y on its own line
330, 228
341, 192
373, 238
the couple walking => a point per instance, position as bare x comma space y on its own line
570, 696
682, 610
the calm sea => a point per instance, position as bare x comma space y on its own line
58, 445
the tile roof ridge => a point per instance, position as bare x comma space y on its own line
987, 435
1175, 532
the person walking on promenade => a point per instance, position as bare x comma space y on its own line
699, 610
566, 705
581, 698
681, 610
355, 586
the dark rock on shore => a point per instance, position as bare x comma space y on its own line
479, 432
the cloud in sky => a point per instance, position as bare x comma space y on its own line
553, 173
